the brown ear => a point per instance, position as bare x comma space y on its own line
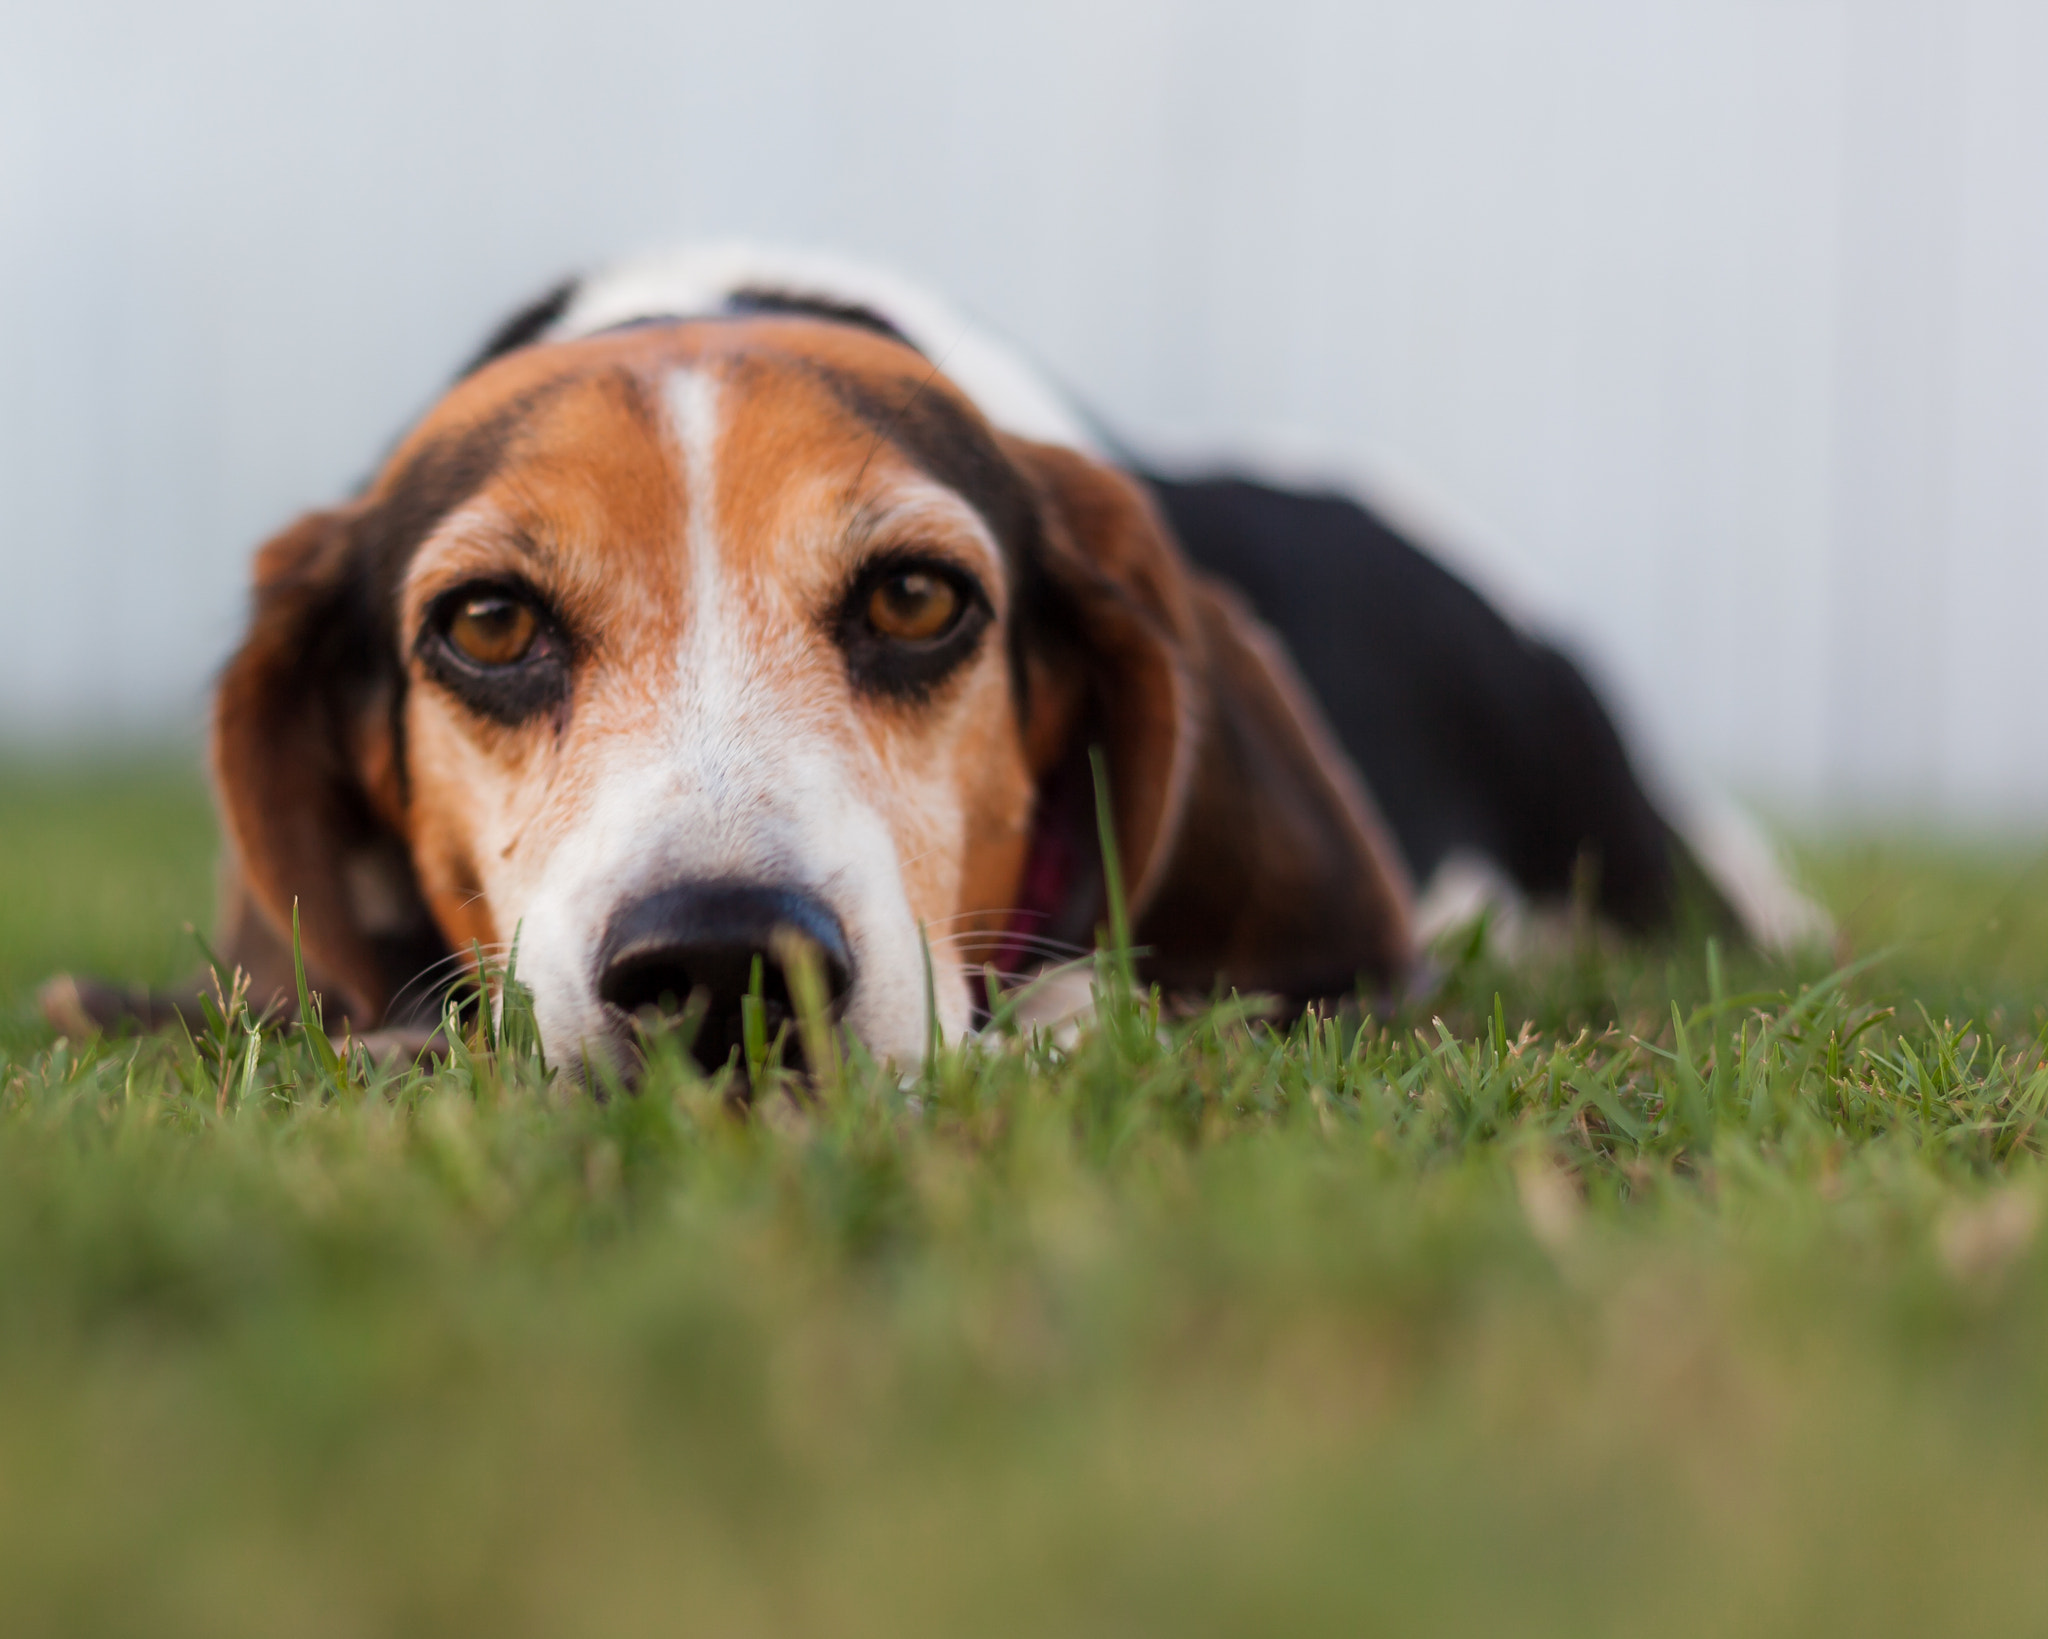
1253, 856
308, 777
1116, 654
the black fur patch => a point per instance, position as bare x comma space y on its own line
763, 299
946, 443
531, 322
524, 327
1471, 735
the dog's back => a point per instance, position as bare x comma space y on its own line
1475, 738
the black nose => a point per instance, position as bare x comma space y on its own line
701, 940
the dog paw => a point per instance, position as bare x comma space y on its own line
82, 1007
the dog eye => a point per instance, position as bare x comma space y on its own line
493, 631
908, 623
914, 606
499, 649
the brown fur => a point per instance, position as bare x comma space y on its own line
353, 786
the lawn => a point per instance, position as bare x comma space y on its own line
1628, 1292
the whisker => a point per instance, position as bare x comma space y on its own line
447, 966
960, 942
1028, 975
1027, 981
1003, 915
1010, 980
909, 860
999, 916
997, 933
426, 974
1032, 961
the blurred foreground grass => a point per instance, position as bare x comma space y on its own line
102, 866
1733, 1320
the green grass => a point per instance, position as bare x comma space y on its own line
102, 868
1708, 1302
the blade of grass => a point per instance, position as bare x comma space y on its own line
310, 1024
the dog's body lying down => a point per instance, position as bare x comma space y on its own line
728, 601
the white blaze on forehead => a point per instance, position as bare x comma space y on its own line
716, 724
693, 420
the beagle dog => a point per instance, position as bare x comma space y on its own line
731, 603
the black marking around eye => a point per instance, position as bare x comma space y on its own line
889, 666
920, 418
534, 685
354, 655
941, 439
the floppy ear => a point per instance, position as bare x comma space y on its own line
1253, 856
308, 774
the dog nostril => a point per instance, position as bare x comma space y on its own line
699, 942
667, 978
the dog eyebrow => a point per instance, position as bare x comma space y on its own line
529, 546
447, 472
945, 444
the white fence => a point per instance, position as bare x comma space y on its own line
1720, 327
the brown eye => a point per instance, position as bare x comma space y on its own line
914, 607
493, 631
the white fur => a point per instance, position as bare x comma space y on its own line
1751, 874
1736, 854
1463, 888
700, 281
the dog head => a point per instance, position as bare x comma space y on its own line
665, 647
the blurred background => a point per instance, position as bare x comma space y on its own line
1712, 333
